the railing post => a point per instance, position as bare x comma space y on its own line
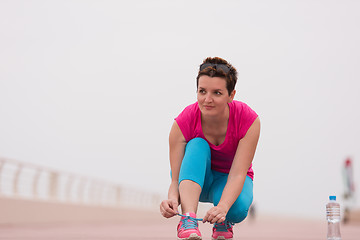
53, 185
99, 193
91, 192
118, 195
156, 200
81, 186
16, 180
35, 183
95, 196
68, 188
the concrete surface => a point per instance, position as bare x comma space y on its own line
152, 226
23, 211
22, 220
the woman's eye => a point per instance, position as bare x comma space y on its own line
218, 93
201, 91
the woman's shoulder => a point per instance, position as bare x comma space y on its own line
242, 110
188, 120
188, 112
190, 109
238, 105
193, 106
243, 117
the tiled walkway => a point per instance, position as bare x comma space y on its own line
159, 228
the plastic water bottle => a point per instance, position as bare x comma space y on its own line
333, 219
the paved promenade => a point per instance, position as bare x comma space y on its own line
151, 226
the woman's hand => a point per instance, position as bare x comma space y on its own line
215, 215
169, 208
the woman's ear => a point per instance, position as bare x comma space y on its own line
232, 95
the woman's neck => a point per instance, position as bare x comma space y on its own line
217, 120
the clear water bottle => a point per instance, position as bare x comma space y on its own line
333, 219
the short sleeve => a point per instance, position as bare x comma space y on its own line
186, 121
247, 117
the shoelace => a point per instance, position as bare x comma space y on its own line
223, 227
189, 222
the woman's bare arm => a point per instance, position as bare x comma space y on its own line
177, 144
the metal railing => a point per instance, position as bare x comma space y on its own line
30, 181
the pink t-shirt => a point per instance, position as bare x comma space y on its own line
241, 117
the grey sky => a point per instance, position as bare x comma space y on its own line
92, 87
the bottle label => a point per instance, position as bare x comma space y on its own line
333, 214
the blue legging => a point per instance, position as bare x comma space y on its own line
196, 166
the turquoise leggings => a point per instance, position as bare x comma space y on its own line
196, 166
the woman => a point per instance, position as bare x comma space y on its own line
212, 145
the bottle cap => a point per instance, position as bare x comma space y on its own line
332, 198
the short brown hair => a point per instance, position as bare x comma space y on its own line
213, 71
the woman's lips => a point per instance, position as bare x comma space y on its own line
208, 107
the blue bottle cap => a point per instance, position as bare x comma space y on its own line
332, 198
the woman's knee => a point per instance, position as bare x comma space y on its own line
198, 144
197, 151
237, 214
240, 208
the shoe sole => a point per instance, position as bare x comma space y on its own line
192, 236
221, 238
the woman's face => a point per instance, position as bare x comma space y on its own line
213, 96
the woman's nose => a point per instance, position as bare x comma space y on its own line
208, 98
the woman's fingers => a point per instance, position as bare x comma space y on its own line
174, 206
168, 208
165, 209
221, 219
215, 215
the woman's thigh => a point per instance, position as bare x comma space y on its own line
196, 165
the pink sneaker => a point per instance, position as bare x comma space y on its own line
188, 228
223, 231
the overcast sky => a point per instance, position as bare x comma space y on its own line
92, 87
